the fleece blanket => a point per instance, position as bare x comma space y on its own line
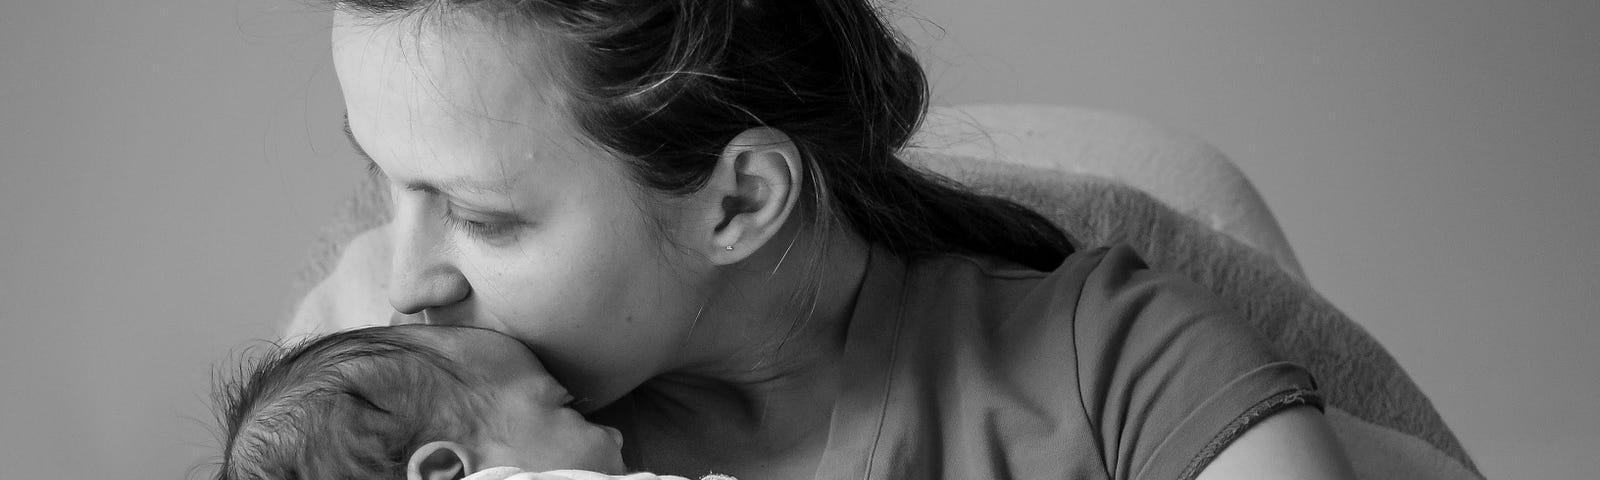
1386, 424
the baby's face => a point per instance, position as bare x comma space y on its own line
529, 424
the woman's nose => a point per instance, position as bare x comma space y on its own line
422, 289
421, 276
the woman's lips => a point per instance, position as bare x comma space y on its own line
428, 317
402, 319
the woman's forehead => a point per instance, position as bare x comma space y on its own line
418, 89
456, 56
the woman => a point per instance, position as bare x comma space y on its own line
691, 209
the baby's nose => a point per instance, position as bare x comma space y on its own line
616, 435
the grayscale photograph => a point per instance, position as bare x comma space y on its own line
799, 239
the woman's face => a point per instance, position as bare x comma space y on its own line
503, 217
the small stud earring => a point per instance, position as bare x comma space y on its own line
729, 247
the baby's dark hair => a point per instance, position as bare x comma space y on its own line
349, 405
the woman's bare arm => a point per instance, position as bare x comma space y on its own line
1293, 444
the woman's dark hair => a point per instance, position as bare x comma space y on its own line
666, 84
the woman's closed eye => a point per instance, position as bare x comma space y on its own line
489, 228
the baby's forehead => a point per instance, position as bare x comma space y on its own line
498, 362
466, 341
478, 348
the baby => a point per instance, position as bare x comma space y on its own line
415, 402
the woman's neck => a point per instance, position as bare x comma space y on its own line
760, 384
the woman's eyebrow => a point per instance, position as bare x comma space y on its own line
372, 166
457, 184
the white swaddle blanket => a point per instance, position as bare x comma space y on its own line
496, 473
502, 473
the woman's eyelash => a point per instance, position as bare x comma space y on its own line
476, 229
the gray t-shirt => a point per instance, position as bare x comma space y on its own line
964, 367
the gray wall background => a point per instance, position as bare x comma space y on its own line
1436, 165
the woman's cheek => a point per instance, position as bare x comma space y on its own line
550, 294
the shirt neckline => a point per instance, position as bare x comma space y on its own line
869, 354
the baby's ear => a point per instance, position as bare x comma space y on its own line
439, 461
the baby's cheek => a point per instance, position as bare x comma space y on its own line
593, 447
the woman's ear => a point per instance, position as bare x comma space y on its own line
440, 461
754, 187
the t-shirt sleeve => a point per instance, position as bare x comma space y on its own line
1168, 375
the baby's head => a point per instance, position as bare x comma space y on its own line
416, 402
